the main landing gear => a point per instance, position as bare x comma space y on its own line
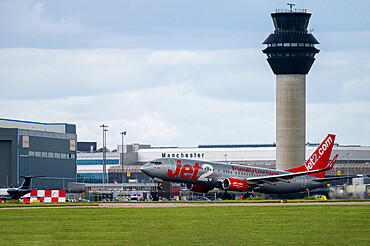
227, 196
248, 195
160, 186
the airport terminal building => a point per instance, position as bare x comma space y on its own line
37, 149
51, 150
352, 160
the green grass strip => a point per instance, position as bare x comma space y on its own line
282, 225
45, 204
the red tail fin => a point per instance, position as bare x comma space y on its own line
319, 159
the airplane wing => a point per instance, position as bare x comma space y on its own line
286, 176
334, 178
280, 177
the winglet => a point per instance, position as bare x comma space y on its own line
331, 164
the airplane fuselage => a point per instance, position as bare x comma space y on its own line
210, 174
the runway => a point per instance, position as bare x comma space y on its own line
191, 204
220, 204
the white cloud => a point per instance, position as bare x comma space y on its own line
169, 58
334, 72
358, 89
177, 116
37, 73
177, 97
184, 93
349, 121
28, 17
172, 115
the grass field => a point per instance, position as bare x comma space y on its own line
281, 225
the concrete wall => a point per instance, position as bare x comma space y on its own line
290, 120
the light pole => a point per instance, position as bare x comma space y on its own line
104, 152
123, 134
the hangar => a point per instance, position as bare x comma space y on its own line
37, 149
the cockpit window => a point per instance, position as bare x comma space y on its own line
156, 162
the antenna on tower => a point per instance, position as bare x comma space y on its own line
291, 6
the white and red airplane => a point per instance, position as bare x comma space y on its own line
203, 176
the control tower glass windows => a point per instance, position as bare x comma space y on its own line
290, 45
290, 48
290, 54
290, 21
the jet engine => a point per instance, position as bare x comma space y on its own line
198, 188
234, 184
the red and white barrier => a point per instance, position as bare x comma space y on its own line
45, 196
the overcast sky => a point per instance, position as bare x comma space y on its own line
178, 73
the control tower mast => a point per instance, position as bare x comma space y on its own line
290, 53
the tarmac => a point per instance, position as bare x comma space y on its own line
219, 204
193, 204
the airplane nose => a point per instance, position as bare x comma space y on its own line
145, 168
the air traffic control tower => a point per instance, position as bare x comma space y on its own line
290, 53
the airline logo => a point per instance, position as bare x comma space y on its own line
237, 184
187, 171
318, 153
